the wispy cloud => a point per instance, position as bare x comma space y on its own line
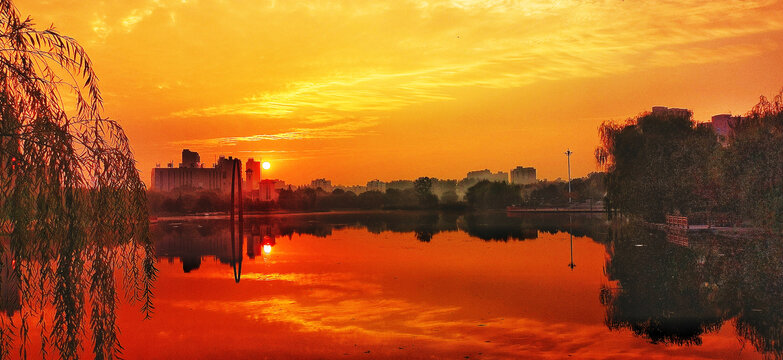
506, 44
342, 130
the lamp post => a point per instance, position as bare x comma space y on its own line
568, 156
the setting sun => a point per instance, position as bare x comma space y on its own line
266, 165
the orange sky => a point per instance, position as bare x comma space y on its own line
355, 90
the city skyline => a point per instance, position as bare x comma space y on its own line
191, 162
401, 89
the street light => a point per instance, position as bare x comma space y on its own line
568, 155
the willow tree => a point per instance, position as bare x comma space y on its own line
657, 164
754, 162
72, 205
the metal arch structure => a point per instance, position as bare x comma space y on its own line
236, 205
236, 187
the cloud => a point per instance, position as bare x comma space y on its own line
342, 130
489, 44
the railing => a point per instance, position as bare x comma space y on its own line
677, 222
714, 219
677, 229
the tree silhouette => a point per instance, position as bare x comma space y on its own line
655, 163
753, 161
72, 205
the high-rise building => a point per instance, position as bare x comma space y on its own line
252, 174
190, 159
323, 184
399, 184
376, 185
722, 125
523, 175
485, 174
191, 175
663, 110
267, 190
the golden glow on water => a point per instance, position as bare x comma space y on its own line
387, 295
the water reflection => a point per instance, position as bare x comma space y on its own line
59, 291
675, 289
459, 284
213, 238
662, 289
222, 239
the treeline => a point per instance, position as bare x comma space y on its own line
420, 197
186, 201
664, 163
483, 195
498, 195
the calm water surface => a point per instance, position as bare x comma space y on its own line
422, 285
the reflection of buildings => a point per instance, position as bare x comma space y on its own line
190, 243
261, 238
193, 242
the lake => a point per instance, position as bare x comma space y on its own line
441, 285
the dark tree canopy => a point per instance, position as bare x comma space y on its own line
663, 163
753, 164
655, 163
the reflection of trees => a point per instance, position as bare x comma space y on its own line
426, 227
53, 288
191, 241
674, 294
661, 298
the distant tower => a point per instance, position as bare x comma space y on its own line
568, 156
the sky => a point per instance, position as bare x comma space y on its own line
358, 90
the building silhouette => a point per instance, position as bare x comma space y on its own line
400, 184
523, 175
323, 184
267, 190
723, 126
663, 110
485, 174
252, 174
192, 175
376, 185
